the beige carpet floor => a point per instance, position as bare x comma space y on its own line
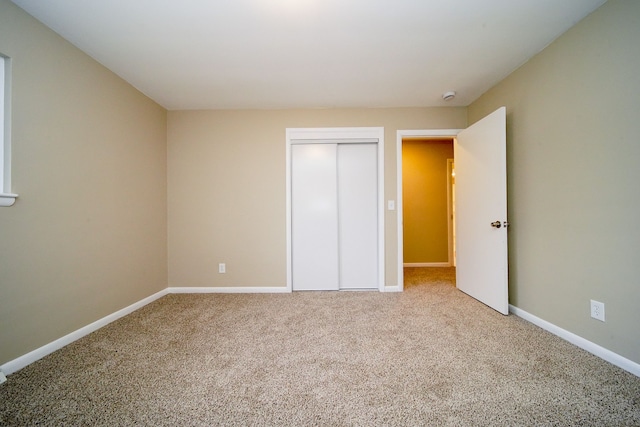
430, 356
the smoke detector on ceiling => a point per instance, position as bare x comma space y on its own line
448, 96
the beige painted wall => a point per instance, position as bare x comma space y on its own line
424, 188
87, 236
573, 152
227, 177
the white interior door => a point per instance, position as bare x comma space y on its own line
481, 211
358, 215
314, 217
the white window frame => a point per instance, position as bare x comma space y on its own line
7, 198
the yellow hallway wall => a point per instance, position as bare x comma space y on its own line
424, 187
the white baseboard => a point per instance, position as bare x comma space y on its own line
22, 361
229, 290
595, 349
392, 289
426, 264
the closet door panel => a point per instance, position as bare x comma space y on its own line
314, 217
358, 216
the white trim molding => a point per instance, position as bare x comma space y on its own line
595, 349
427, 264
229, 290
37, 354
7, 198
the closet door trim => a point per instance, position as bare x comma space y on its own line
366, 135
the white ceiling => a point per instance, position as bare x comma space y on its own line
230, 54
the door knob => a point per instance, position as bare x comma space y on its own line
496, 224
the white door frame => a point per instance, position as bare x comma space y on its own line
400, 135
450, 211
332, 135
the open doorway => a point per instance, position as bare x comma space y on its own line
481, 208
426, 201
427, 198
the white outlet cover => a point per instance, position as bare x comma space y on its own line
597, 310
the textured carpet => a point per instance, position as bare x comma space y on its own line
428, 356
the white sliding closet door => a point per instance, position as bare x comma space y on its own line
314, 217
334, 216
358, 215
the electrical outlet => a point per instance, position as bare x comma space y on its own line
597, 310
222, 268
